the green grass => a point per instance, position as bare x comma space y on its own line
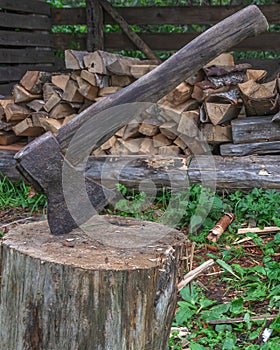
251, 283
20, 195
255, 287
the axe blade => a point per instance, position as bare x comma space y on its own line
61, 214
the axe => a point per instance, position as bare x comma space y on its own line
44, 161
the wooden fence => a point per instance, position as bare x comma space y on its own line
26, 41
183, 15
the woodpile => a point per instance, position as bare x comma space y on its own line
226, 106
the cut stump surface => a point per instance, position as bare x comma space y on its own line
110, 286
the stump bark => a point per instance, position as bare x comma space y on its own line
111, 286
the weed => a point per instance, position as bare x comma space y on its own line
20, 195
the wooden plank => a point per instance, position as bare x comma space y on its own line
8, 38
164, 14
6, 89
31, 21
255, 129
30, 55
64, 16
64, 41
29, 6
174, 41
245, 149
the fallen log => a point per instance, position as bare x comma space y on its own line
230, 173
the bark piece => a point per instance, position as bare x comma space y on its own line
220, 227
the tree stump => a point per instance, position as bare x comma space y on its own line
112, 286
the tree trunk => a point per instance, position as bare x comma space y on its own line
113, 286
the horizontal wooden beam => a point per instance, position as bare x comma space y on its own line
164, 41
25, 21
28, 6
163, 15
30, 55
10, 38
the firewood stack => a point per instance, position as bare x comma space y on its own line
224, 104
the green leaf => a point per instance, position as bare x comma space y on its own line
196, 346
226, 267
184, 314
236, 306
229, 344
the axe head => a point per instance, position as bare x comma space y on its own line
72, 198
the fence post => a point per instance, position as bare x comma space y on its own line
94, 14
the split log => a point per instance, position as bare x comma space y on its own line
188, 124
75, 59
260, 99
16, 112
100, 61
60, 80
36, 105
112, 286
20, 94
27, 128
247, 22
7, 138
95, 79
108, 90
33, 81
137, 71
255, 129
61, 110
121, 80
216, 134
87, 90
180, 94
53, 101
48, 124
71, 92
220, 113
245, 149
